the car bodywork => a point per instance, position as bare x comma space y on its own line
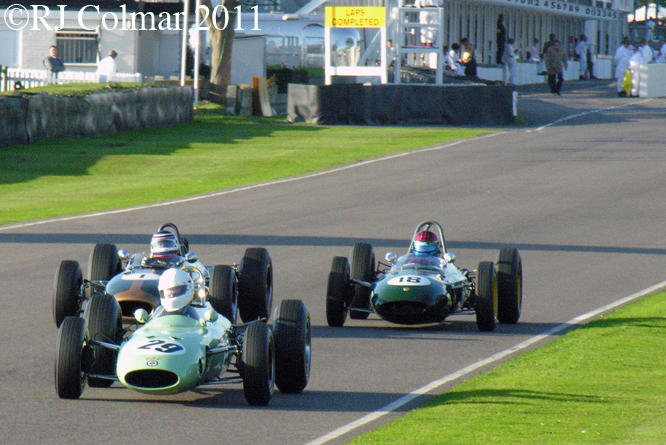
419, 289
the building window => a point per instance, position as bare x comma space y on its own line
76, 46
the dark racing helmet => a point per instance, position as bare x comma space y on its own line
164, 245
426, 243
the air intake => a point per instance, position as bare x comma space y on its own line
151, 379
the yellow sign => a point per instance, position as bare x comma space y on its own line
355, 17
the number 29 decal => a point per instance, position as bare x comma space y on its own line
158, 347
409, 280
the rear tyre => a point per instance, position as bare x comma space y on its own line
293, 341
338, 292
486, 297
73, 357
105, 323
509, 285
362, 268
67, 289
103, 264
224, 292
258, 364
255, 284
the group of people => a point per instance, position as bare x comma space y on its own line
628, 60
460, 58
54, 65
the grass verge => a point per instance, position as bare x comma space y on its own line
604, 383
62, 177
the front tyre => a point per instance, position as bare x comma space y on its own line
105, 323
486, 297
103, 264
224, 292
67, 290
255, 284
509, 285
73, 358
363, 269
258, 364
293, 342
338, 292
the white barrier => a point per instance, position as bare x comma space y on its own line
652, 80
30, 78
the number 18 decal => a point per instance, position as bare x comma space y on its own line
409, 280
156, 347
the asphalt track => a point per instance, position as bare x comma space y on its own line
580, 192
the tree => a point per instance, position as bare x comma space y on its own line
221, 42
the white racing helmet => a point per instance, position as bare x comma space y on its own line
176, 289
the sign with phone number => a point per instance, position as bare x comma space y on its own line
566, 7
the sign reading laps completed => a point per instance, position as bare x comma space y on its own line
355, 17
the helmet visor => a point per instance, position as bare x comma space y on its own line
174, 292
163, 245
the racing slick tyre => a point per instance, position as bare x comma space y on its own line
509, 285
485, 303
293, 343
105, 323
362, 268
224, 292
73, 358
258, 364
338, 292
255, 284
103, 264
68, 282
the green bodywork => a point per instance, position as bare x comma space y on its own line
169, 354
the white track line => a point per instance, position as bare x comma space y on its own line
480, 364
255, 186
573, 116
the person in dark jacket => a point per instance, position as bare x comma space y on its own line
501, 39
556, 63
53, 64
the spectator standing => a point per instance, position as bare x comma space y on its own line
590, 61
649, 28
534, 53
54, 65
646, 52
428, 34
547, 45
510, 60
501, 39
107, 67
581, 52
468, 60
556, 63
635, 63
621, 59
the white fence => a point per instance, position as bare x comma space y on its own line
35, 78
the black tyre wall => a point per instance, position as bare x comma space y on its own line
293, 340
105, 323
363, 269
509, 285
224, 292
255, 284
67, 288
69, 370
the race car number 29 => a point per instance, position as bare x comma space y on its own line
409, 280
153, 347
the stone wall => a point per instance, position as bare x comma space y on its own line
26, 120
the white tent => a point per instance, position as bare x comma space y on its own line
641, 15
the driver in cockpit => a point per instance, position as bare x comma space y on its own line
426, 243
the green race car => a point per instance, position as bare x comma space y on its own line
183, 344
424, 285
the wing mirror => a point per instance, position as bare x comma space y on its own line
123, 254
210, 316
390, 257
450, 257
141, 315
191, 257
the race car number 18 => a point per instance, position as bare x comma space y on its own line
409, 280
159, 346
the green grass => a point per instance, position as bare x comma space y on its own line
79, 89
62, 177
604, 383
